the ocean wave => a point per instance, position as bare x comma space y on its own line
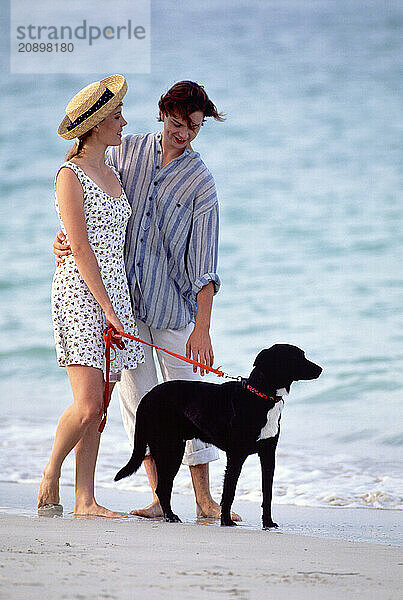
304, 479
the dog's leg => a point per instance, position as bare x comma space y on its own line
267, 455
232, 472
168, 464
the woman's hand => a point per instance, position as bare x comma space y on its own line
112, 321
60, 248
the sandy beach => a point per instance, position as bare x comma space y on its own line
310, 556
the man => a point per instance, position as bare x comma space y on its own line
171, 259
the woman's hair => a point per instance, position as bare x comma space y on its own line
78, 146
186, 97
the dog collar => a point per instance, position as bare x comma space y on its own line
253, 390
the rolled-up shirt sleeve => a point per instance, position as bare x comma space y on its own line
203, 244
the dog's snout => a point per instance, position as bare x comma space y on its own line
317, 371
310, 370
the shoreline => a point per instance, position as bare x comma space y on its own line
133, 558
368, 525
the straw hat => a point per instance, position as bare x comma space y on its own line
91, 105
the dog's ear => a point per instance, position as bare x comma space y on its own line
263, 360
275, 366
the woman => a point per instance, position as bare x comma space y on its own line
89, 289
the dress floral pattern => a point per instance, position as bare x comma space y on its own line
78, 319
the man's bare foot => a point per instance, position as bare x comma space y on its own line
152, 511
95, 510
48, 489
212, 510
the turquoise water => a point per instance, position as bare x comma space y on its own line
308, 169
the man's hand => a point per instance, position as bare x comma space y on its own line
60, 248
199, 345
199, 348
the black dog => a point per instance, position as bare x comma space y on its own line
234, 416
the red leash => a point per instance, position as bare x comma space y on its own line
110, 345
105, 403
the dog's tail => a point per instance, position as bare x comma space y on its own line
139, 452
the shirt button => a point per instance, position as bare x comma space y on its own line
141, 239
150, 198
147, 214
157, 167
138, 264
155, 182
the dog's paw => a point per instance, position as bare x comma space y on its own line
269, 525
228, 523
172, 518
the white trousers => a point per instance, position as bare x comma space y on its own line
135, 383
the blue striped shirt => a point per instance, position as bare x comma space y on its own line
172, 236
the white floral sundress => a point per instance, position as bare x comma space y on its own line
78, 319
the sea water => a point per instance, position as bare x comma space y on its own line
308, 172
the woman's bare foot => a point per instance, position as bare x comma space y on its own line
212, 510
49, 488
152, 511
95, 510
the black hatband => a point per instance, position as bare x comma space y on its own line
106, 96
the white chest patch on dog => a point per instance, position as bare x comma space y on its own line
273, 417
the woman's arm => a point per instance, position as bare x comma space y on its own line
71, 204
